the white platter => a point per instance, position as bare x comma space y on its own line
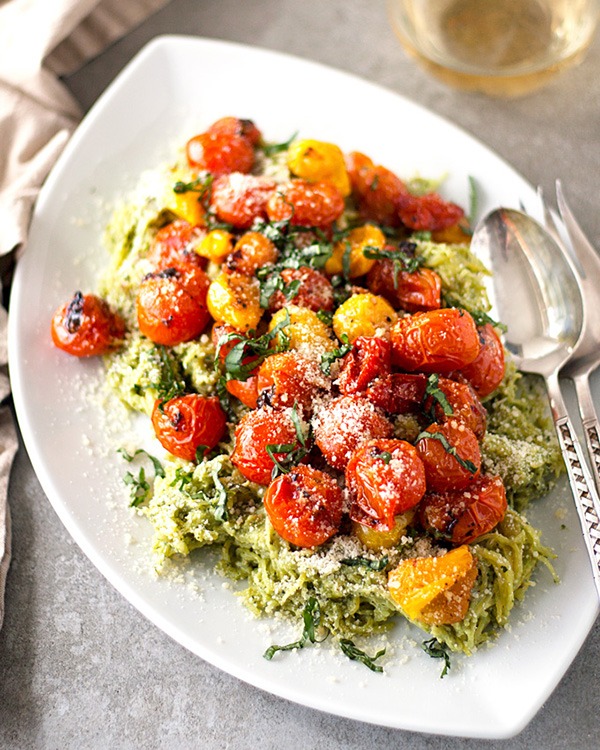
174, 88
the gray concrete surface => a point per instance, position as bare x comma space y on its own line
80, 667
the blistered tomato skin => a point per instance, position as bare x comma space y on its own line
240, 199
237, 126
376, 189
413, 292
463, 403
286, 379
385, 478
461, 517
398, 393
219, 153
369, 359
174, 244
435, 341
344, 424
304, 506
255, 431
86, 327
428, 212
451, 455
314, 290
186, 423
306, 204
171, 305
486, 372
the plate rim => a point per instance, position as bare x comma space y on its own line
157, 46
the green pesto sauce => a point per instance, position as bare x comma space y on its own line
212, 504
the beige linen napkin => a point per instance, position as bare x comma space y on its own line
40, 40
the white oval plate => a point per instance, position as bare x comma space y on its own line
174, 88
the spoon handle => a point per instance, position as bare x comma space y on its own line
584, 491
589, 420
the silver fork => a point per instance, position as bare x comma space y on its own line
586, 356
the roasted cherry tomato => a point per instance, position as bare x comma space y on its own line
344, 424
189, 425
428, 212
252, 251
385, 478
171, 305
376, 190
451, 456
86, 326
239, 127
239, 199
461, 516
304, 506
486, 372
398, 393
419, 290
312, 289
288, 378
435, 341
457, 401
369, 359
220, 153
244, 390
306, 204
174, 244
256, 431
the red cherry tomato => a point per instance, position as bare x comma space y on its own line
174, 245
451, 456
219, 153
256, 431
237, 126
314, 290
385, 478
435, 341
86, 326
420, 290
428, 212
375, 189
171, 305
345, 424
369, 359
306, 204
304, 506
239, 199
244, 390
288, 378
463, 403
486, 372
186, 423
462, 516
398, 393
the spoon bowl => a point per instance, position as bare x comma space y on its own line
536, 293
535, 290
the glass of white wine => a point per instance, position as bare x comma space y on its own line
499, 47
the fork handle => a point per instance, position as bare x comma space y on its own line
591, 425
584, 491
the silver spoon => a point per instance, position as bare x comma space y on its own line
537, 296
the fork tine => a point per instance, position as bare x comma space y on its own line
548, 217
587, 256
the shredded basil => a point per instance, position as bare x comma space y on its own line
270, 149
465, 463
433, 390
438, 650
311, 615
139, 487
356, 654
376, 565
259, 349
329, 358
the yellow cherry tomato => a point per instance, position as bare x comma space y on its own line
363, 314
319, 161
352, 247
